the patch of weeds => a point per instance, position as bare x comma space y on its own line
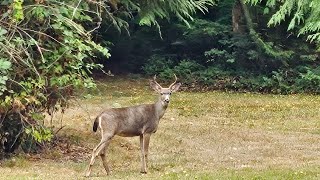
157, 167
75, 139
79, 167
135, 76
316, 131
190, 104
88, 96
142, 99
189, 175
18, 161
118, 94
247, 173
53, 154
164, 164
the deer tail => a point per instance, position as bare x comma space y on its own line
95, 124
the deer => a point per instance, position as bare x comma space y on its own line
140, 120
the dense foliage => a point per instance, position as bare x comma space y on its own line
303, 15
46, 52
210, 55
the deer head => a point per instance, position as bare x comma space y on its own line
165, 93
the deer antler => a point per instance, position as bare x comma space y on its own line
155, 81
174, 81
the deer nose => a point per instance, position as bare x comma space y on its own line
167, 100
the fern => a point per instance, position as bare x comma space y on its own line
150, 10
302, 14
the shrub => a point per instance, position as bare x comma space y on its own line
309, 81
164, 68
42, 63
188, 69
157, 65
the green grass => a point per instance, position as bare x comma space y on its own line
245, 174
211, 135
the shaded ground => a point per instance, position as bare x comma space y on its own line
210, 135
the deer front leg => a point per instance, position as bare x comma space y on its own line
144, 145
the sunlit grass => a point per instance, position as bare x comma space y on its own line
292, 112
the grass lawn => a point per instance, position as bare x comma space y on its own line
209, 135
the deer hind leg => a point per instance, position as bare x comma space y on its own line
144, 145
96, 151
103, 156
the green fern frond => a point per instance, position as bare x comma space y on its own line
182, 9
302, 14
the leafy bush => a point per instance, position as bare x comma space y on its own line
5, 67
41, 64
164, 68
188, 69
156, 65
223, 60
215, 55
193, 74
309, 81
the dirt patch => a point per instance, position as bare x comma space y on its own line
65, 149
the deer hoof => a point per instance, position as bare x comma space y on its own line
143, 172
87, 174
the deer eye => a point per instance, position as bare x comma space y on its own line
161, 93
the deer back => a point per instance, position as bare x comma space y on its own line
130, 121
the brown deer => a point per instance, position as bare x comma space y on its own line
140, 120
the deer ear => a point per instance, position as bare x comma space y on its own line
155, 86
175, 87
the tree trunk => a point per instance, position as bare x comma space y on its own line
237, 18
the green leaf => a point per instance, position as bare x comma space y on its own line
58, 69
3, 31
230, 60
40, 13
37, 116
266, 11
4, 64
27, 130
63, 10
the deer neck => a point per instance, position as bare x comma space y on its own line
160, 108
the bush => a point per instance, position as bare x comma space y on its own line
210, 56
192, 74
189, 70
156, 65
165, 68
213, 76
41, 67
309, 81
